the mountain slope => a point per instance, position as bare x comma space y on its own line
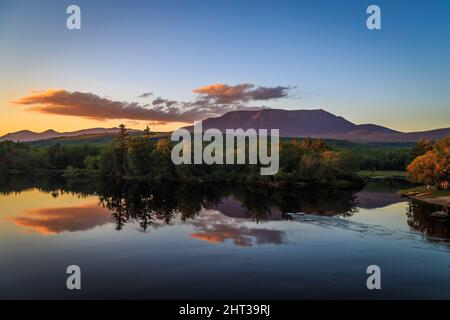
314, 123
27, 135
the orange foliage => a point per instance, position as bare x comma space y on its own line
434, 166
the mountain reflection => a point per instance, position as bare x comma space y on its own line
217, 212
381, 193
152, 203
147, 203
215, 227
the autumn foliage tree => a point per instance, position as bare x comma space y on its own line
433, 167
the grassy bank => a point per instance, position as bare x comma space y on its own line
432, 195
382, 174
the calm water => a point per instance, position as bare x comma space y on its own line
137, 240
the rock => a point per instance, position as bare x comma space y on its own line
440, 214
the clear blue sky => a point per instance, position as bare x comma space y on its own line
398, 76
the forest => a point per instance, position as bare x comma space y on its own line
303, 161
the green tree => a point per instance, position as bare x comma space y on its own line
140, 156
119, 154
421, 147
147, 132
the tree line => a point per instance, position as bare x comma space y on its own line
18, 156
302, 161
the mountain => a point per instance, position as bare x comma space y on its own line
292, 123
315, 123
27, 135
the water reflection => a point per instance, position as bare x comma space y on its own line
419, 218
147, 203
57, 220
215, 227
381, 193
152, 204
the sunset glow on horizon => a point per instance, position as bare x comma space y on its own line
146, 64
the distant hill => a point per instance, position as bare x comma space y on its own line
99, 139
317, 124
27, 135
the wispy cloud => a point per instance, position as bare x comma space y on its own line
213, 100
145, 95
167, 102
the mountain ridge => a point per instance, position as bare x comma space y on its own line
29, 136
315, 123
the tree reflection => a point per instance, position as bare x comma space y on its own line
150, 203
146, 203
420, 219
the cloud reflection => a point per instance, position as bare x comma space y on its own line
56, 220
212, 226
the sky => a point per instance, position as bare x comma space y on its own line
168, 63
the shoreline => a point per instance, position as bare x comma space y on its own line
443, 201
431, 196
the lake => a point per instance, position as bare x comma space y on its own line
136, 240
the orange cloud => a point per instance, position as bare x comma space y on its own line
94, 107
223, 93
214, 100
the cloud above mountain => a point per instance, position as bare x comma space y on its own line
212, 100
222, 93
